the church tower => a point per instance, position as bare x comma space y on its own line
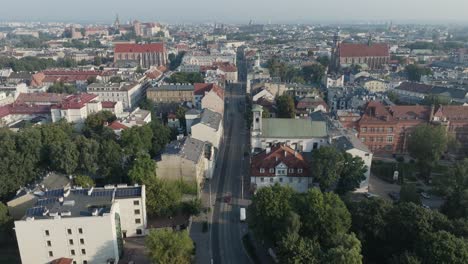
257, 111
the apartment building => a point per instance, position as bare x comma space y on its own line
129, 94
86, 225
172, 93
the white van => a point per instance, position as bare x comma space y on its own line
242, 214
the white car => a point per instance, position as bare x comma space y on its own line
425, 195
370, 195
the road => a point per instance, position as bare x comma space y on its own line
227, 230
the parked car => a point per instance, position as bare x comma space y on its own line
370, 195
227, 198
242, 214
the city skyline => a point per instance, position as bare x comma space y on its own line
242, 11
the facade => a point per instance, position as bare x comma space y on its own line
308, 105
280, 164
143, 55
86, 225
373, 85
375, 56
129, 94
303, 135
172, 93
209, 128
209, 95
333, 81
187, 159
208, 60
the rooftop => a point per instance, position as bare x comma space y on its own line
188, 148
293, 128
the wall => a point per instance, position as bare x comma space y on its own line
300, 184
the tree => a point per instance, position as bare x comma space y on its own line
324, 216
137, 139
269, 208
167, 246
313, 73
110, 161
180, 114
84, 181
436, 100
88, 154
415, 72
443, 248
326, 166
60, 87
347, 251
161, 136
286, 107
426, 144
97, 60
162, 197
409, 194
142, 169
185, 77
265, 113
352, 174
324, 61
64, 156
5, 224
139, 70
115, 79
294, 249
454, 185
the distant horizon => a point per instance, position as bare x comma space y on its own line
239, 11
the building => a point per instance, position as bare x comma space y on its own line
129, 94
187, 159
86, 225
303, 135
308, 105
209, 95
373, 85
375, 56
333, 80
172, 93
283, 165
208, 60
143, 55
208, 128
455, 119
76, 108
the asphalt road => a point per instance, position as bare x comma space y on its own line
227, 229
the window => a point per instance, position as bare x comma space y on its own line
74, 262
390, 130
299, 170
389, 139
137, 211
82, 241
364, 129
262, 179
281, 172
136, 202
281, 179
80, 230
363, 139
69, 231
291, 170
290, 179
137, 221
262, 170
272, 170
47, 233
49, 244
72, 252
70, 242
85, 262
139, 232
51, 254
271, 179
83, 251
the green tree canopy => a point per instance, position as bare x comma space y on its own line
84, 181
409, 193
326, 166
142, 170
443, 248
286, 107
137, 139
352, 174
64, 156
415, 72
60, 87
167, 246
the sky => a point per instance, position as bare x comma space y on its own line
236, 11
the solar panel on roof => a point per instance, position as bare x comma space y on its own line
128, 192
36, 211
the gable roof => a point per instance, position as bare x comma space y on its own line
202, 88
363, 50
269, 159
139, 48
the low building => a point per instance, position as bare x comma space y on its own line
333, 80
303, 135
209, 128
171, 93
209, 95
280, 164
87, 225
308, 105
187, 159
129, 94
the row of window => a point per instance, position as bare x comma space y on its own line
281, 171
290, 180
70, 242
69, 231
376, 129
72, 253
378, 139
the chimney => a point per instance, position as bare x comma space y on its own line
90, 191
295, 153
285, 153
268, 150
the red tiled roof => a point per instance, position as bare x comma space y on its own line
375, 111
23, 109
225, 66
63, 261
279, 154
107, 104
202, 88
406, 112
117, 126
452, 112
139, 48
75, 101
51, 98
363, 50
415, 87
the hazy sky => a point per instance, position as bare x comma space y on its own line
262, 11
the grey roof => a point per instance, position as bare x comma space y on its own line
79, 202
450, 92
293, 128
188, 148
193, 111
348, 142
174, 87
211, 118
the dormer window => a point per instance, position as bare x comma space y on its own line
299, 170
291, 170
262, 170
272, 170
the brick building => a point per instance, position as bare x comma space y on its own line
385, 129
375, 56
144, 55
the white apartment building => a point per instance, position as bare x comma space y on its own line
86, 225
127, 93
207, 60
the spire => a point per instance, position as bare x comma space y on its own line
117, 21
